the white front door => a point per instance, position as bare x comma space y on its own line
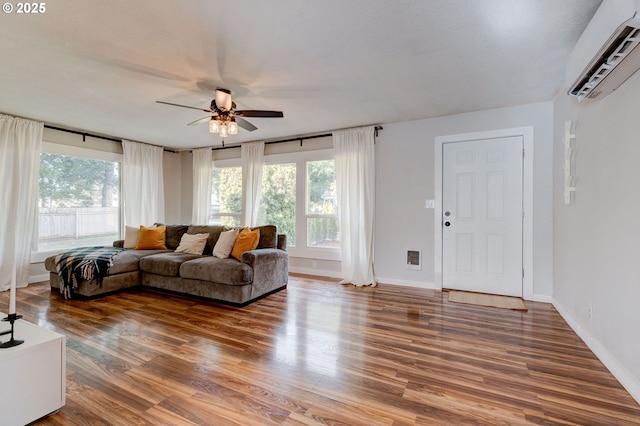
482, 216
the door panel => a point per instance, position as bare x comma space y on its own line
482, 216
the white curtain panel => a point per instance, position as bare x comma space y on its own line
202, 167
252, 162
143, 186
355, 185
20, 142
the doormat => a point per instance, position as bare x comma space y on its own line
504, 302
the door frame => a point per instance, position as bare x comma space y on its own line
527, 199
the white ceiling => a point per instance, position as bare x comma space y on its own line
100, 65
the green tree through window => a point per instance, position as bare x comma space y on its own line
278, 205
322, 222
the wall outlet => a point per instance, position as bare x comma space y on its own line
590, 311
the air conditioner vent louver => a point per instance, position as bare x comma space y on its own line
606, 54
610, 59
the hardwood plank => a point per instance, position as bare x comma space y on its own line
320, 353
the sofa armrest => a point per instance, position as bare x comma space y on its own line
270, 270
118, 243
282, 242
264, 256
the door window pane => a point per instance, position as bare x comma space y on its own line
79, 202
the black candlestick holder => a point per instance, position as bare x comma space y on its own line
11, 318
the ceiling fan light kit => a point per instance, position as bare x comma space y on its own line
224, 119
224, 128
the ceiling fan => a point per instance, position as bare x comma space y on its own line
223, 116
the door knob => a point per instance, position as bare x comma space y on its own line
447, 223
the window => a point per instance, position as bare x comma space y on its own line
298, 196
278, 204
79, 199
226, 196
321, 202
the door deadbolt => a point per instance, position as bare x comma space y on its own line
447, 213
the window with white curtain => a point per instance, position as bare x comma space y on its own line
79, 198
298, 196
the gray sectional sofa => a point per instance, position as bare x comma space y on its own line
259, 272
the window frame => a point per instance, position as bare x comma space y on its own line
221, 164
301, 159
308, 215
80, 152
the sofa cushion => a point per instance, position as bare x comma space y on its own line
192, 243
167, 264
130, 237
225, 243
151, 238
174, 235
268, 236
224, 271
213, 231
247, 240
125, 261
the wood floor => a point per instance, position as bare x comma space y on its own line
322, 353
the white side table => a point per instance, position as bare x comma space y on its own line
32, 375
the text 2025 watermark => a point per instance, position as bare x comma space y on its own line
24, 8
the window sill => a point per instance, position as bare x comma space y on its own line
315, 253
41, 256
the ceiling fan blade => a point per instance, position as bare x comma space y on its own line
185, 106
258, 113
200, 121
245, 124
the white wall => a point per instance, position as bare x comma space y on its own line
597, 237
405, 179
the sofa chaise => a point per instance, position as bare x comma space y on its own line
258, 273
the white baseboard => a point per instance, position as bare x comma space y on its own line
542, 298
38, 278
408, 283
618, 370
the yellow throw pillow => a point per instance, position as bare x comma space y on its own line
247, 240
151, 238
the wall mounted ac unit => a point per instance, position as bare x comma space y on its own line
607, 53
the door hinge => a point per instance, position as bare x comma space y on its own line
522, 272
522, 152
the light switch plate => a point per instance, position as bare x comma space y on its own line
429, 204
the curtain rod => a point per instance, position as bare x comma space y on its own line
85, 134
300, 138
